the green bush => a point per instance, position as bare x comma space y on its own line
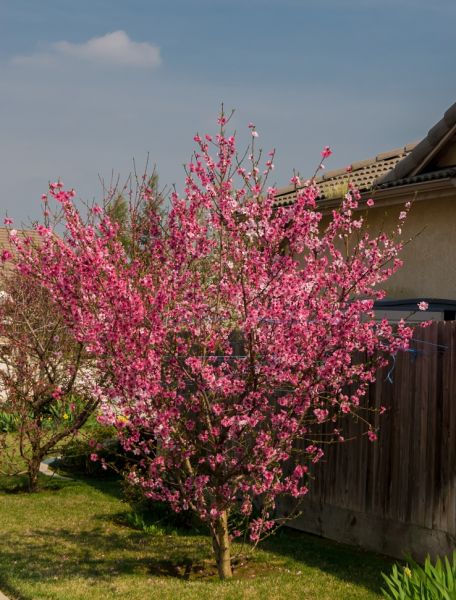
146, 512
101, 441
428, 582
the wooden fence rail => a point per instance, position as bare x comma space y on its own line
397, 495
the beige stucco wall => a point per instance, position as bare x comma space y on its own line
430, 256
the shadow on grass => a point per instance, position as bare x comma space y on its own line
347, 563
43, 554
8, 589
105, 481
110, 485
18, 484
96, 554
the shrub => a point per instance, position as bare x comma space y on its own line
77, 455
152, 512
428, 582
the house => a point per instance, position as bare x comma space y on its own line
425, 174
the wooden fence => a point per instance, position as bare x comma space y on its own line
397, 495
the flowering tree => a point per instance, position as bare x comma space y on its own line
45, 374
230, 333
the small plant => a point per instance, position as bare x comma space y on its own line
8, 422
428, 582
141, 523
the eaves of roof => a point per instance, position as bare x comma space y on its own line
447, 173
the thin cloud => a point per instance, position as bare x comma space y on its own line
114, 48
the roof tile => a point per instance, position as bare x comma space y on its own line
363, 174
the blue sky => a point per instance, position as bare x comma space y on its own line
87, 86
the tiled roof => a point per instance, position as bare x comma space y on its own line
402, 166
363, 174
5, 242
4, 237
423, 152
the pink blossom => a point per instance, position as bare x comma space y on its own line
326, 152
6, 255
372, 436
321, 414
423, 305
8, 221
57, 393
370, 203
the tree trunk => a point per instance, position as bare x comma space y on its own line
221, 545
32, 472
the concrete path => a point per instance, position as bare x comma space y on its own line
3, 597
44, 468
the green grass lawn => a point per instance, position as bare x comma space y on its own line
70, 542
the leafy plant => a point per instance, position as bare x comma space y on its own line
8, 422
428, 582
142, 523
